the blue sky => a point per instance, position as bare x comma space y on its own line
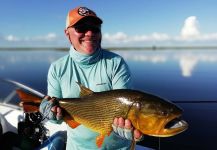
126, 22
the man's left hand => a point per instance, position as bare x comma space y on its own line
125, 129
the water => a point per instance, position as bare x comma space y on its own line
175, 74
186, 77
28, 67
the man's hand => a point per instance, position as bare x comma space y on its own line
56, 110
50, 109
125, 129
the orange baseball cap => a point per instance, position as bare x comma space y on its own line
79, 13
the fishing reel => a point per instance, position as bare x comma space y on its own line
33, 128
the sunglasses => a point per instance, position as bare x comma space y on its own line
84, 28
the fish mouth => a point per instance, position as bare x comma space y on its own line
164, 127
175, 126
176, 123
171, 127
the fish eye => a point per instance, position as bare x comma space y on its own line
164, 113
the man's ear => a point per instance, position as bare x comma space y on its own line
67, 35
66, 32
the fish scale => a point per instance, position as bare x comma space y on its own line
92, 113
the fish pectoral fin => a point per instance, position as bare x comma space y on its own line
99, 140
72, 123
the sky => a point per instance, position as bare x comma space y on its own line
126, 23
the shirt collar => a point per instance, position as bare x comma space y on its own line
85, 59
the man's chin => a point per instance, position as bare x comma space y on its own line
89, 49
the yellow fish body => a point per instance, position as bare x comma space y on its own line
150, 114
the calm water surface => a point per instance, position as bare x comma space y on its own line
187, 76
173, 74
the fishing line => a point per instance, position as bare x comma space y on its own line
196, 101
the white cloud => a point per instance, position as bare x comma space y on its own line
190, 28
121, 37
189, 34
47, 37
208, 37
11, 38
117, 37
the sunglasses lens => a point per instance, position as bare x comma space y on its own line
95, 29
85, 28
80, 29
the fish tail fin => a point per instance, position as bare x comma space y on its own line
29, 101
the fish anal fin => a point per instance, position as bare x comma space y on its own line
109, 133
84, 90
100, 140
73, 124
70, 121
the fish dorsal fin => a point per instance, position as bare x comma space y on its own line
84, 90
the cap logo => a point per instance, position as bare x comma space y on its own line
84, 11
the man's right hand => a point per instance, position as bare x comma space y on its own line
50, 109
56, 110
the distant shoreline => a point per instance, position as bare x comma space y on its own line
114, 48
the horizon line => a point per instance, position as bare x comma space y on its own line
112, 47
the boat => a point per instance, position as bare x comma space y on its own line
13, 119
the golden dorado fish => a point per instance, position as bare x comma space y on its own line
150, 114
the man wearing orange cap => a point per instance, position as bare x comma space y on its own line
95, 68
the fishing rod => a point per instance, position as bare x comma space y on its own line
20, 85
195, 102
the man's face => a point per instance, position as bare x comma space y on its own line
85, 36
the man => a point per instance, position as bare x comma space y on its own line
96, 69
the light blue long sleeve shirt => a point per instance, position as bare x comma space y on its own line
101, 71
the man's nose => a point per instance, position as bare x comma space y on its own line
89, 32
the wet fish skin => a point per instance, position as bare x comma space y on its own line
148, 113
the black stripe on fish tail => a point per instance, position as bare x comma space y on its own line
30, 103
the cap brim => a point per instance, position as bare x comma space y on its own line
96, 20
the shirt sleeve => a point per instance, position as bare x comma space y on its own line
121, 75
53, 88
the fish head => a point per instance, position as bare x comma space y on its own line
157, 117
